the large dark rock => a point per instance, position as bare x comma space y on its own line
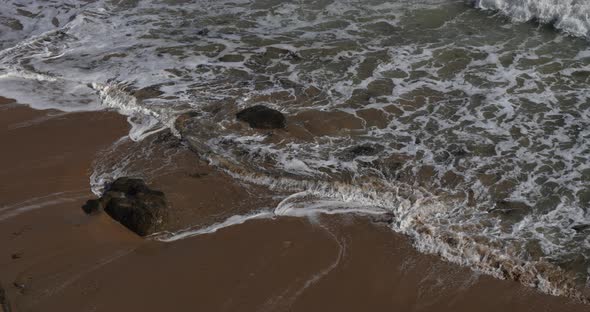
132, 203
262, 117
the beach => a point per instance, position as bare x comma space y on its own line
56, 258
270, 155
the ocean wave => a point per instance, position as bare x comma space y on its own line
571, 16
444, 98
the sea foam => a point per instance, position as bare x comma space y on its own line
571, 16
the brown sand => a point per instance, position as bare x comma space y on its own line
55, 258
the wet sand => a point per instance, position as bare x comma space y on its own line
55, 258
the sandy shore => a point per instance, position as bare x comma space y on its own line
55, 258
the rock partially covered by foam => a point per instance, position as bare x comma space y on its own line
361, 150
132, 203
262, 117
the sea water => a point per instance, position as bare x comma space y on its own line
466, 122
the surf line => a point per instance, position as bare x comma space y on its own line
299, 204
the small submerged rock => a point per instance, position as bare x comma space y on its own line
132, 203
362, 150
262, 117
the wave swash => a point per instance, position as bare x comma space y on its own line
468, 131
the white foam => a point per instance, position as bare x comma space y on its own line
295, 205
231, 221
10, 211
510, 99
302, 204
572, 16
144, 121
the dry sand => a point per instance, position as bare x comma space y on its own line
55, 258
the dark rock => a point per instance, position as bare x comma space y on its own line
132, 203
580, 227
361, 150
4, 304
262, 117
92, 206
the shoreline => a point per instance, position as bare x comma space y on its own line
58, 259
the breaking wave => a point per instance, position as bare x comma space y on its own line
571, 16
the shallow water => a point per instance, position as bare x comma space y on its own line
469, 126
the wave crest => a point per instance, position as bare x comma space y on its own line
571, 16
